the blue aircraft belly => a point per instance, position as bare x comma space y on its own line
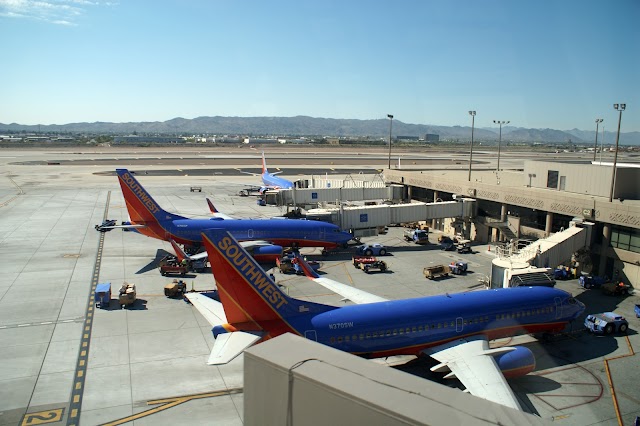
428, 320
257, 229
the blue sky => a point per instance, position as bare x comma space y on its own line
539, 64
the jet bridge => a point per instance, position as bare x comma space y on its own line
371, 218
532, 264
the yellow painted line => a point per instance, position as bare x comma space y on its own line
348, 274
87, 328
80, 373
610, 379
86, 336
170, 403
84, 344
78, 385
74, 412
82, 363
76, 399
83, 353
43, 417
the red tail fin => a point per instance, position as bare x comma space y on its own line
247, 293
212, 208
142, 208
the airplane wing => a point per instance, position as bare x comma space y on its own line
100, 227
227, 346
210, 309
348, 292
203, 255
471, 361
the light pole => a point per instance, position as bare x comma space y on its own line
620, 108
390, 117
500, 140
595, 148
473, 120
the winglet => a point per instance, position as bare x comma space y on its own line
180, 254
212, 208
308, 270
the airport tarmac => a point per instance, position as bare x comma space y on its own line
62, 361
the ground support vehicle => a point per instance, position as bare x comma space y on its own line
171, 265
375, 249
563, 273
437, 271
458, 268
588, 281
464, 248
636, 309
418, 236
176, 288
199, 265
606, 323
616, 289
105, 226
103, 295
195, 188
127, 294
369, 263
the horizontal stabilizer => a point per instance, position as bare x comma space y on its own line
229, 345
210, 309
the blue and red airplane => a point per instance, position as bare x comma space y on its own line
455, 329
265, 236
271, 181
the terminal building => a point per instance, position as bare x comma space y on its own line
542, 199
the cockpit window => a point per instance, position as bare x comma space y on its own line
571, 301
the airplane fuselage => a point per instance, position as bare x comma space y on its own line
406, 327
275, 182
283, 232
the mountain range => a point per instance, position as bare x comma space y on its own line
310, 126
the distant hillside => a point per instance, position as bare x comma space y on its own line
310, 126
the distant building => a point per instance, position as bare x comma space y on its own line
260, 140
408, 138
429, 137
148, 139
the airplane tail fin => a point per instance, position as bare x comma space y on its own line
249, 296
264, 164
142, 208
212, 208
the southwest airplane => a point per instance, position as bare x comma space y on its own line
267, 236
271, 181
455, 329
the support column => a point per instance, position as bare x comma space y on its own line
548, 224
503, 218
435, 199
410, 193
606, 241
